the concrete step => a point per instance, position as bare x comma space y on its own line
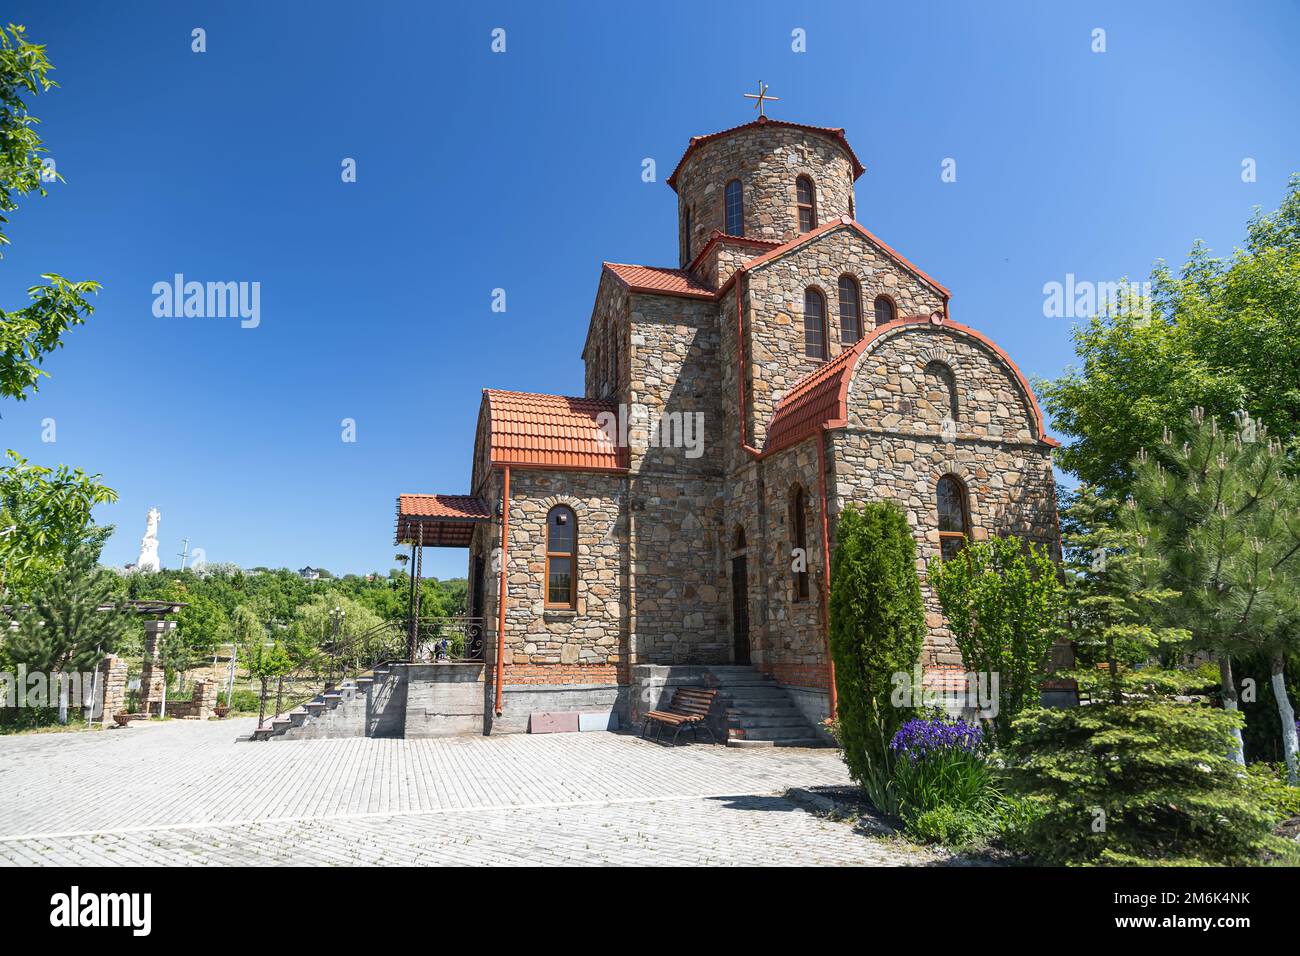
790, 742
775, 733
756, 721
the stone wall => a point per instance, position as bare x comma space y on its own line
200, 706
766, 160
895, 449
605, 352
152, 675
774, 310
593, 633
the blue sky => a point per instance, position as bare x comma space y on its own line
522, 171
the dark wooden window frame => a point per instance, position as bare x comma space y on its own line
810, 207
875, 310
963, 499
808, 294
571, 555
799, 539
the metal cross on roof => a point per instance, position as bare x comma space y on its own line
760, 96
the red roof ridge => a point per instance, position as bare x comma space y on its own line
835, 133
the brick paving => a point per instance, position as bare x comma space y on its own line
192, 793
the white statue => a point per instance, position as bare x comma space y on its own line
148, 560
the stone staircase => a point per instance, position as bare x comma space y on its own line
341, 712
760, 713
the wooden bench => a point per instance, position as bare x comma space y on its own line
689, 708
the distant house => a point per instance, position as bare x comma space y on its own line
312, 574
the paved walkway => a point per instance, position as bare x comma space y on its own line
186, 792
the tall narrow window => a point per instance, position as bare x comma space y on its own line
852, 214
884, 310
561, 558
686, 230
806, 199
850, 310
814, 324
953, 516
941, 389
735, 209
799, 541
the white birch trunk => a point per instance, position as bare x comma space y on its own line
1238, 751
63, 698
1287, 715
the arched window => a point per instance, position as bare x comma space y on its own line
852, 214
814, 324
806, 200
850, 310
740, 539
686, 230
561, 558
941, 389
799, 544
954, 518
735, 209
885, 311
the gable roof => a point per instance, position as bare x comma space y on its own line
821, 397
834, 133
830, 226
654, 279
550, 431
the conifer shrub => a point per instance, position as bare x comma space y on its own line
877, 627
1143, 781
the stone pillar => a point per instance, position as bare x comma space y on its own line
110, 697
204, 699
151, 676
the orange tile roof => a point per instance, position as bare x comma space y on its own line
655, 279
445, 521
551, 431
834, 133
821, 397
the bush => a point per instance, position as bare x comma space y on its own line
245, 701
952, 826
1003, 601
877, 626
1136, 782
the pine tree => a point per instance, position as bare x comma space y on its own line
1110, 590
1220, 514
75, 617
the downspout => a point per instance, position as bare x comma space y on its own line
826, 571
740, 379
501, 588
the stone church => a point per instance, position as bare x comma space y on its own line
674, 522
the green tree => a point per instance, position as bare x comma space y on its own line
1221, 334
1217, 510
28, 334
1003, 601
877, 627
75, 617
1142, 781
45, 513
267, 663
1110, 590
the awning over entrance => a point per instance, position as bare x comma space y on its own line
439, 521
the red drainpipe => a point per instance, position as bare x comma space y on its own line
826, 571
501, 592
740, 373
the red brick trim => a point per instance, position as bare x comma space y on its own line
612, 674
